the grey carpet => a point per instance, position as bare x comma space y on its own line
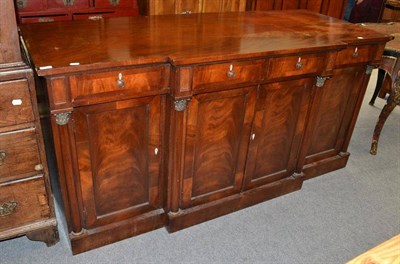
334, 218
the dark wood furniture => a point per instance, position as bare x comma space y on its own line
391, 13
26, 204
388, 77
175, 120
35, 11
368, 11
163, 7
333, 8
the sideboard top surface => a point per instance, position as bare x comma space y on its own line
185, 39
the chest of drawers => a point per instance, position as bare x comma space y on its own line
26, 201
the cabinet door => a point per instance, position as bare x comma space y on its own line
64, 4
187, 6
278, 129
217, 135
334, 107
119, 155
233, 5
265, 5
161, 7
211, 6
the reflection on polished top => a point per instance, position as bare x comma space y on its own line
184, 39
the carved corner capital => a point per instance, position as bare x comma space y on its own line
320, 81
181, 105
62, 118
369, 69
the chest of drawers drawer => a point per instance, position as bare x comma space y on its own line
289, 66
19, 154
120, 84
215, 76
15, 103
23, 202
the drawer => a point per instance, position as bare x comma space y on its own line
114, 85
29, 5
23, 202
215, 76
113, 3
111, 13
289, 66
356, 54
19, 155
45, 18
15, 103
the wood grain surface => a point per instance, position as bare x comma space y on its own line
386, 253
139, 40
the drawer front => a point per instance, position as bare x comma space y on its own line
15, 103
216, 76
114, 3
19, 155
120, 84
355, 55
29, 5
289, 66
44, 19
23, 202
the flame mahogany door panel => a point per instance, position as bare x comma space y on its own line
217, 136
334, 109
119, 157
278, 128
334, 8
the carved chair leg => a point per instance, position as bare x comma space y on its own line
379, 82
392, 101
47, 235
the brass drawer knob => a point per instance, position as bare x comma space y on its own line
120, 82
231, 73
187, 12
299, 64
7, 208
355, 53
2, 157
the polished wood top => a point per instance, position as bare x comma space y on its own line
184, 39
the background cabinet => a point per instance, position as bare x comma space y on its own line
162, 7
334, 8
31, 11
26, 201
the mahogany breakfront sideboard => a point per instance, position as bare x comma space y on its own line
174, 120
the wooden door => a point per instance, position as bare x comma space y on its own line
278, 129
334, 107
217, 136
119, 152
187, 6
161, 7
211, 6
233, 5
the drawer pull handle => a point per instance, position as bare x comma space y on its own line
2, 157
68, 2
16, 102
156, 151
120, 82
231, 73
253, 136
299, 64
355, 53
187, 12
7, 208
114, 2
94, 18
38, 167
